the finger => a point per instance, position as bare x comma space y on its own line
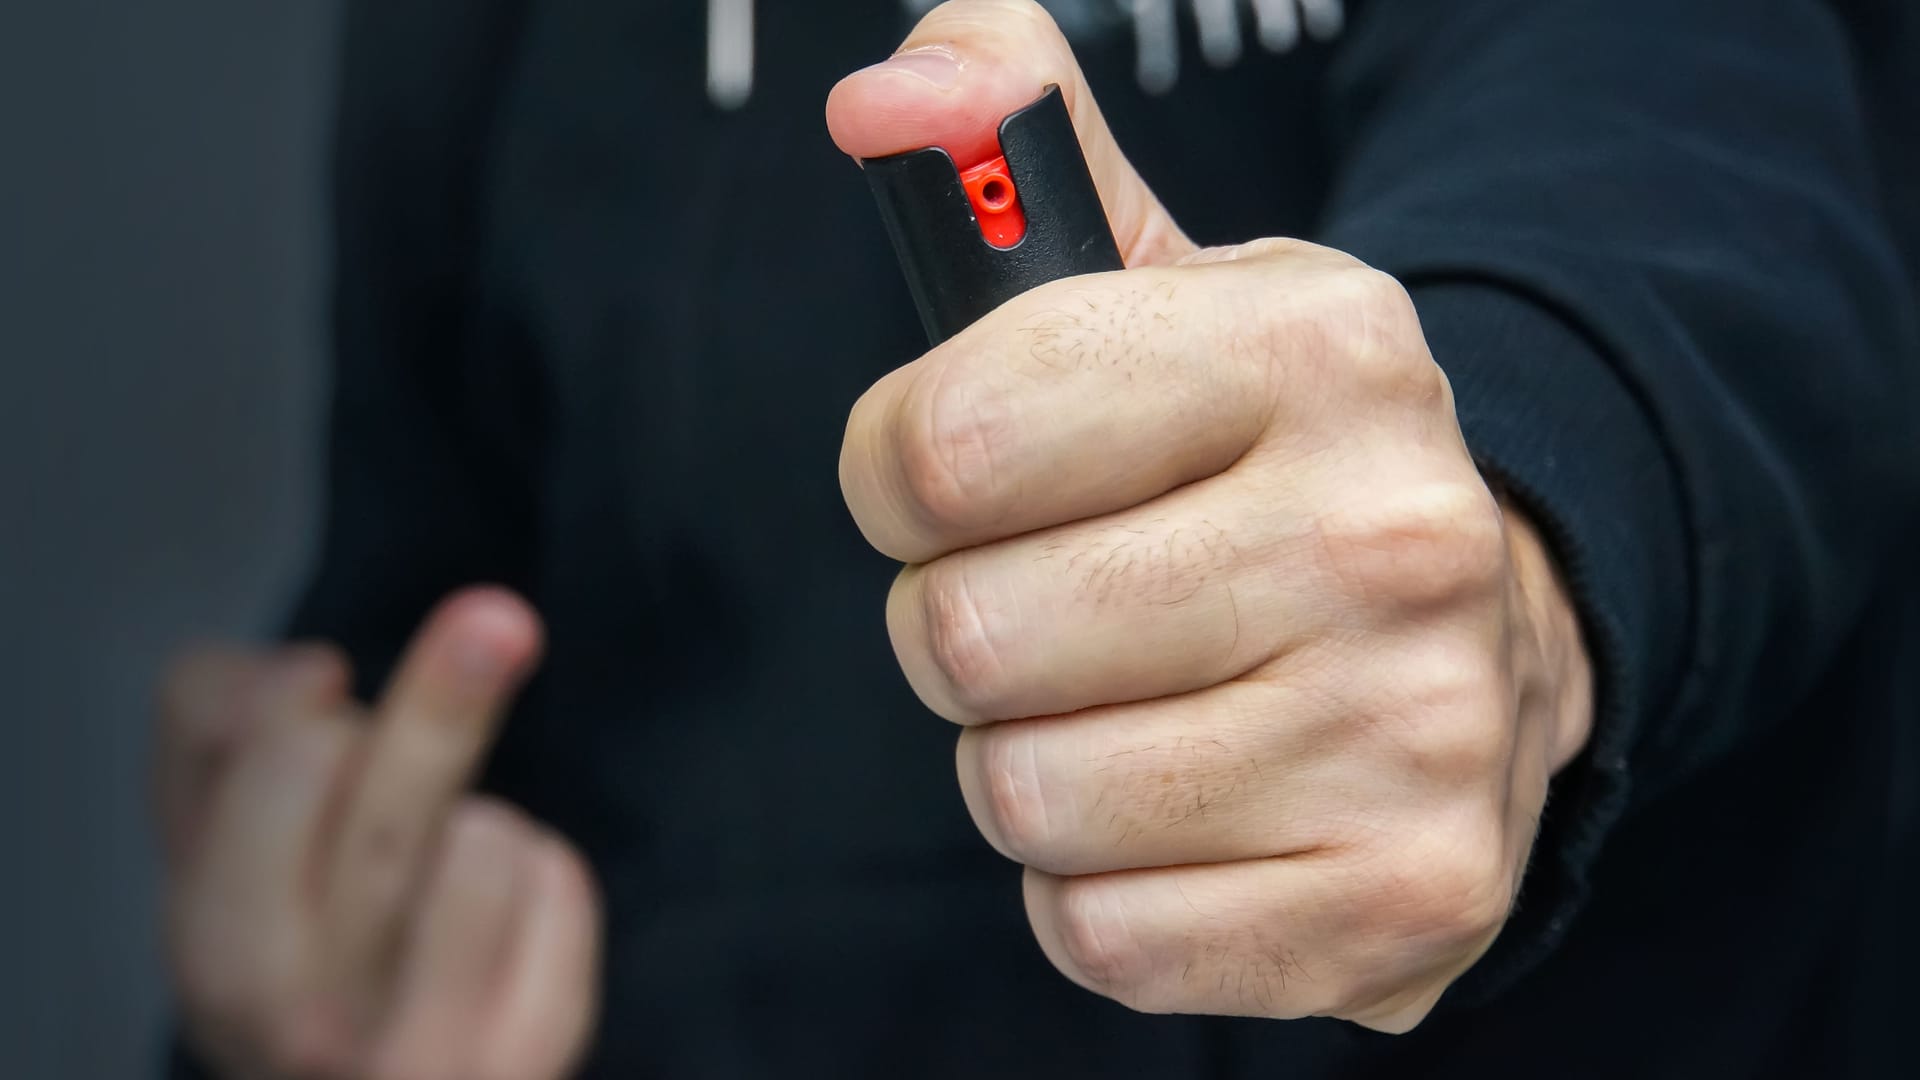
545, 1008
1375, 941
1195, 588
211, 701
964, 68
432, 727
1087, 396
245, 899
1241, 771
1235, 939
459, 943
1258, 767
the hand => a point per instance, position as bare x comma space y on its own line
338, 907
1257, 677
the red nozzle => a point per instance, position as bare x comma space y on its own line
996, 203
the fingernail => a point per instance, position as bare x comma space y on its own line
935, 64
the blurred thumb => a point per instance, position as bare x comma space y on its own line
959, 73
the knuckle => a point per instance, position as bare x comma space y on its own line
1473, 893
1457, 692
1098, 943
1382, 295
1470, 539
1451, 891
954, 426
1374, 333
962, 636
1420, 546
1448, 713
1379, 296
1016, 808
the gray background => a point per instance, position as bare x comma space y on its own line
162, 254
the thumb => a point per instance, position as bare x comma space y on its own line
959, 73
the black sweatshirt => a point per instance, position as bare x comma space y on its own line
597, 340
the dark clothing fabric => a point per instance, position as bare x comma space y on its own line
597, 341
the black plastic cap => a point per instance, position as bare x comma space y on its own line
955, 275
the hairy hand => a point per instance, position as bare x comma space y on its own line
1259, 680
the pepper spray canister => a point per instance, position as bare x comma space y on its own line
971, 237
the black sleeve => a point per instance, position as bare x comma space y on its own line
1647, 245
432, 436
426, 488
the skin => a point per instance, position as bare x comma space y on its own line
1257, 678
338, 906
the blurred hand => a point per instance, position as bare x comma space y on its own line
1258, 679
339, 908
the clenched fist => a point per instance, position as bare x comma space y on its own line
338, 907
1258, 678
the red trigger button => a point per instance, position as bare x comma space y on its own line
996, 204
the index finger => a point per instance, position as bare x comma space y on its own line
433, 725
1083, 397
